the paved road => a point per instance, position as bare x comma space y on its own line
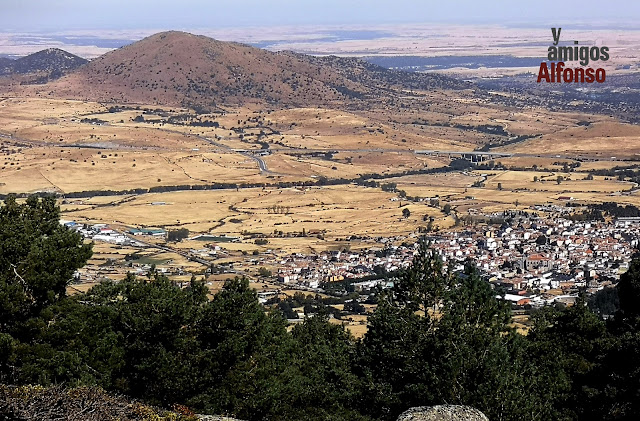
264, 169
434, 152
262, 165
186, 254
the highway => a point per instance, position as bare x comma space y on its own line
478, 153
262, 165
264, 169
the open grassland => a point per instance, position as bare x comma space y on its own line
110, 261
285, 215
333, 212
501, 190
348, 164
48, 147
52, 148
55, 148
557, 163
548, 182
356, 324
604, 139
71, 170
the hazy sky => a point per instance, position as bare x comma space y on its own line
36, 15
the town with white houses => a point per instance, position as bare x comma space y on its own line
531, 260
535, 261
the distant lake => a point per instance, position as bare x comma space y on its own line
415, 63
80, 41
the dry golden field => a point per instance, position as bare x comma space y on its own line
51, 149
336, 212
603, 139
55, 151
502, 189
72, 170
304, 144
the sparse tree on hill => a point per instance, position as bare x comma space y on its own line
429, 227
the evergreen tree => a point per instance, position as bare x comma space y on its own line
438, 338
38, 257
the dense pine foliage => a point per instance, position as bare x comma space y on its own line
436, 337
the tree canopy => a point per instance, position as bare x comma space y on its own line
436, 337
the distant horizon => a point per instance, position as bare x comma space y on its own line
338, 39
603, 24
67, 15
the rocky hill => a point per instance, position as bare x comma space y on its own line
5, 65
41, 67
443, 413
94, 403
178, 68
52, 60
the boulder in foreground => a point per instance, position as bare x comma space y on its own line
443, 413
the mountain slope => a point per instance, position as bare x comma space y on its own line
41, 67
52, 60
178, 68
6, 65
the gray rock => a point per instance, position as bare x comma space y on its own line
443, 413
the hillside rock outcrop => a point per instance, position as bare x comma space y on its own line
443, 413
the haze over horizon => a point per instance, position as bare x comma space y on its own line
350, 27
44, 15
